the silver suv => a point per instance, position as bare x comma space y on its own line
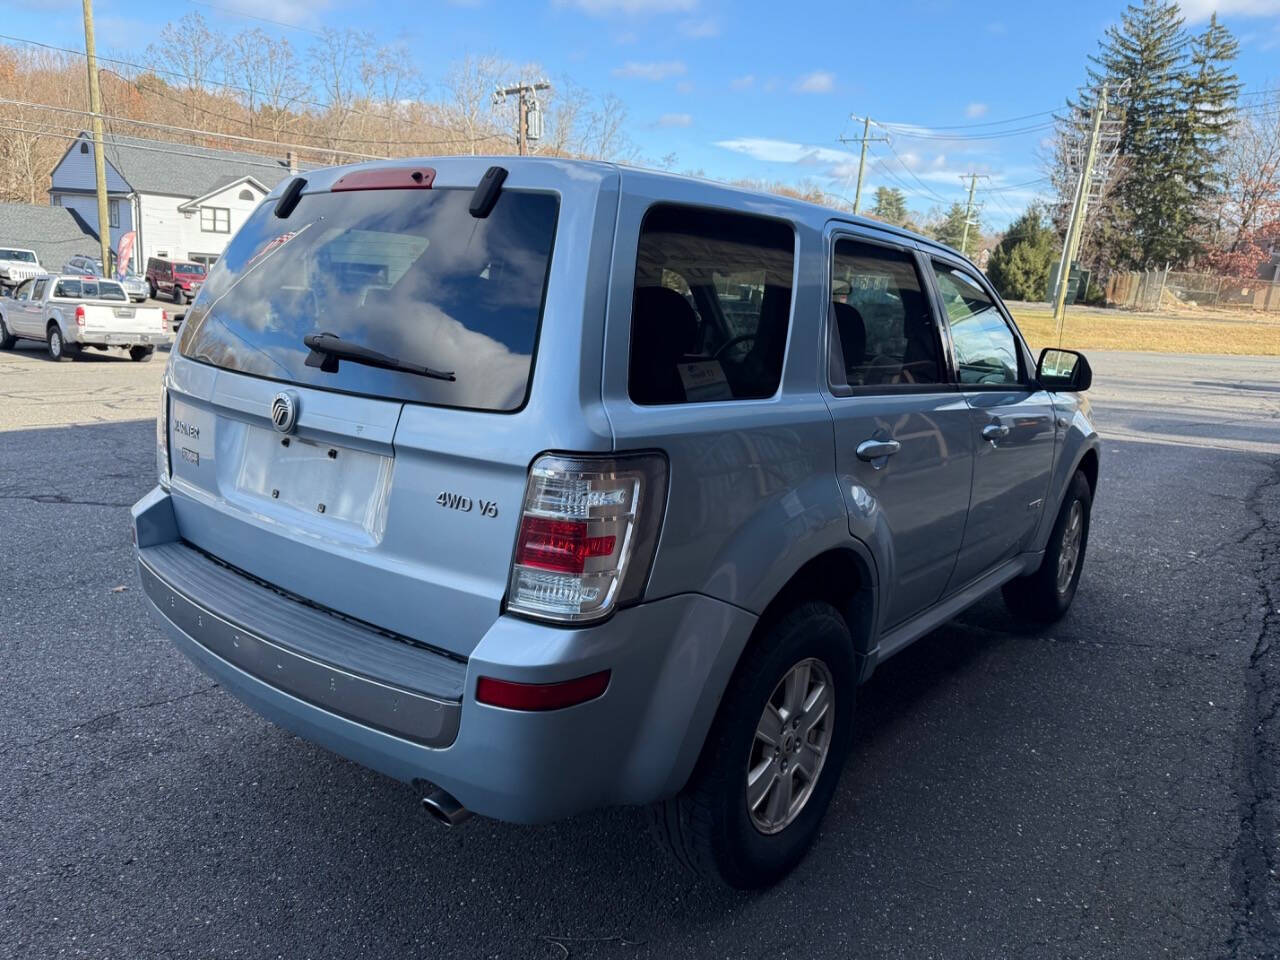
554, 484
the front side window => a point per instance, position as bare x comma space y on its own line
711, 307
986, 349
24, 291
215, 219
410, 274
883, 325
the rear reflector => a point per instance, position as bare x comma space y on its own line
540, 696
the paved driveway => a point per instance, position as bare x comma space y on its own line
1103, 788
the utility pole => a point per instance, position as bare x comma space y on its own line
862, 157
973, 179
1075, 227
99, 163
528, 110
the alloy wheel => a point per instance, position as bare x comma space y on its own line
1069, 553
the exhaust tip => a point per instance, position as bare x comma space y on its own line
444, 807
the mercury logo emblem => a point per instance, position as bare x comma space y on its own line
284, 411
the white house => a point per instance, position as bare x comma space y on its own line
185, 202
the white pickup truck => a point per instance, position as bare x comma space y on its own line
17, 265
69, 313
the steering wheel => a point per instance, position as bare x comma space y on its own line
732, 342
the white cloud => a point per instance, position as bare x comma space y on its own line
1200, 9
820, 81
975, 109
604, 8
745, 82
684, 86
785, 151
659, 70
675, 120
291, 12
700, 29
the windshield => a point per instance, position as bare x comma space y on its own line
89, 290
189, 269
410, 274
23, 256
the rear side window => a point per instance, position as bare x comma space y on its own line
407, 273
986, 349
89, 290
883, 324
712, 306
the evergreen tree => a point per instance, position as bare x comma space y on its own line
1175, 96
890, 206
1020, 263
949, 229
1209, 91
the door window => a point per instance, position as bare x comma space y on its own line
882, 325
986, 349
37, 292
23, 292
712, 306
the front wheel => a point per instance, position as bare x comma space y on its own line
177, 294
7, 339
1046, 594
773, 757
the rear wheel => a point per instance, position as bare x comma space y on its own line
151, 290
141, 354
7, 339
59, 349
773, 757
1046, 594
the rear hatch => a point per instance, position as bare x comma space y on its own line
387, 495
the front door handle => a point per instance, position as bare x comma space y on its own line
875, 449
995, 431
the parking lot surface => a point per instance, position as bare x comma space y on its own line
1105, 787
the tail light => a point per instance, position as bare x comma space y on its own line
587, 535
79, 316
162, 437
164, 319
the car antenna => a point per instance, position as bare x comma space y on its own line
487, 191
289, 199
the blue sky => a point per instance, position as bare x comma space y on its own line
755, 90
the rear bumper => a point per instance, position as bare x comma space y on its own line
669, 660
121, 339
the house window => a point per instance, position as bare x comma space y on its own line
208, 259
215, 219
57, 200
246, 195
113, 212
84, 147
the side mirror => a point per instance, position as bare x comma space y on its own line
1064, 370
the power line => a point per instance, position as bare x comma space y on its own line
911, 173
911, 132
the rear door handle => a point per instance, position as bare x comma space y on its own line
995, 431
875, 449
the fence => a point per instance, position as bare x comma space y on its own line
1154, 290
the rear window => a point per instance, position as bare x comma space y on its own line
711, 308
89, 290
407, 273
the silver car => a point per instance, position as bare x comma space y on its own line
133, 284
550, 485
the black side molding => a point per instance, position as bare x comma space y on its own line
487, 191
289, 199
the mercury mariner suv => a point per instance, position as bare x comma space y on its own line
549, 485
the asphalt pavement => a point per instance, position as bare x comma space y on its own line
1106, 787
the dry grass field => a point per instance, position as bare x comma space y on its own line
1091, 328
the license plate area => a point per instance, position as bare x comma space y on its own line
125, 313
318, 484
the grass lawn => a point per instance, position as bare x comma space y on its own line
1089, 328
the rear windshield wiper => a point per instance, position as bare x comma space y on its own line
327, 349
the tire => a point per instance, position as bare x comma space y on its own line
177, 294
141, 354
1045, 595
7, 339
59, 349
708, 826
151, 290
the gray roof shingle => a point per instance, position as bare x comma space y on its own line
183, 170
55, 233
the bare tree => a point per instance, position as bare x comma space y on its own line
389, 78
336, 59
469, 86
194, 54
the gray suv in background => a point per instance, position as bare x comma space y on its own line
556, 484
